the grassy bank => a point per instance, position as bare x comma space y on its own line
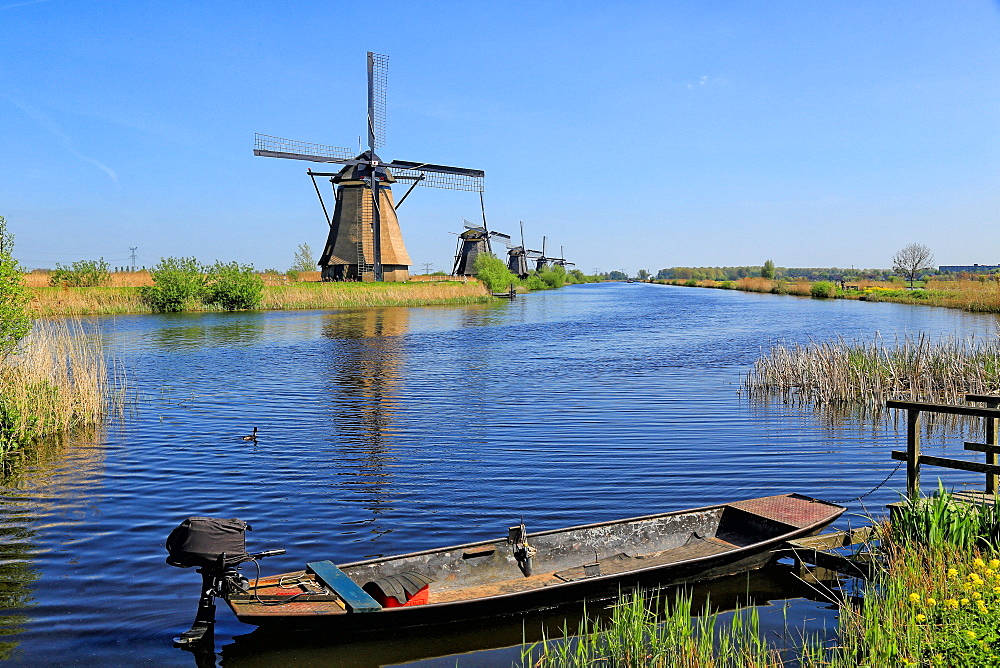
976, 296
57, 380
914, 368
51, 301
934, 602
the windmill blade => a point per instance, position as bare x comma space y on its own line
501, 235
469, 225
276, 147
438, 176
378, 67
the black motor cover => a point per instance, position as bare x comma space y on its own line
198, 541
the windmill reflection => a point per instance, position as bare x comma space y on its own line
364, 384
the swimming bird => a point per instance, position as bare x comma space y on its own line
251, 437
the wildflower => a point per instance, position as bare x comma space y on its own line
971, 634
976, 579
921, 618
950, 603
989, 572
914, 597
952, 572
980, 606
978, 563
994, 564
976, 595
964, 601
931, 601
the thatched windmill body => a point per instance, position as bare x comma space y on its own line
472, 243
365, 241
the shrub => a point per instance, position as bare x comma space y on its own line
492, 271
535, 282
554, 276
234, 286
292, 275
81, 274
178, 283
727, 285
823, 289
15, 320
691, 283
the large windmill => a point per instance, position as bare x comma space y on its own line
474, 241
365, 242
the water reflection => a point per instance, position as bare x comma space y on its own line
363, 380
187, 331
21, 511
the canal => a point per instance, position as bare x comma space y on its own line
392, 430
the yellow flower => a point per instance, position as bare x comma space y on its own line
989, 572
994, 564
914, 597
971, 634
978, 563
996, 590
951, 603
964, 601
976, 595
931, 601
980, 606
976, 579
966, 586
921, 618
952, 572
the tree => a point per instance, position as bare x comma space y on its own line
303, 259
15, 320
767, 271
642, 274
912, 260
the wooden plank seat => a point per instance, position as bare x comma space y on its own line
355, 598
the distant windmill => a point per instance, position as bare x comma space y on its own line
517, 257
474, 241
365, 242
542, 261
561, 261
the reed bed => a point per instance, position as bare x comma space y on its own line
868, 373
56, 380
62, 301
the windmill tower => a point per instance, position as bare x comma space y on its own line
474, 241
365, 242
517, 258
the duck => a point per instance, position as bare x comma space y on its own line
251, 437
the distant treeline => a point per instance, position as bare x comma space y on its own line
811, 273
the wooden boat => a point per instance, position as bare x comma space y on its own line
525, 571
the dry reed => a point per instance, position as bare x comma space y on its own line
353, 295
869, 372
55, 381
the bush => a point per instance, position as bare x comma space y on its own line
81, 274
691, 283
234, 286
492, 271
15, 320
535, 282
727, 285
179, 283
823, 289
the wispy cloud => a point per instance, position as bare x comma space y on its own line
705, 81
22, 4
51, 126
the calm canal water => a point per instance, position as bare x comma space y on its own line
390, 430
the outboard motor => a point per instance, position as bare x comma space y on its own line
216, 547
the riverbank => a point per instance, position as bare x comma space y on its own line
974, 296
934, 601
127, 299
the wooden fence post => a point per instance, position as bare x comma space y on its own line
912, 452
991, 457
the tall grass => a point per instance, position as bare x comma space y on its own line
869, 372
57, 380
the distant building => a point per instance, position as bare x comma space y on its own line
969, 269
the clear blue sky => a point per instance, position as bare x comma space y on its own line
634, 134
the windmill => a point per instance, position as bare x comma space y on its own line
542, 261
517, 257
471, 243
561, 261
365, 242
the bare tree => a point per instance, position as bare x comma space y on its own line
303, 260
912, 260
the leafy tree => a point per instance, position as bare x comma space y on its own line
617, 275
492, 271
767, 271
234, 286
642, 274
179, 283
303, 259
81, 274
912, 260
15, 320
